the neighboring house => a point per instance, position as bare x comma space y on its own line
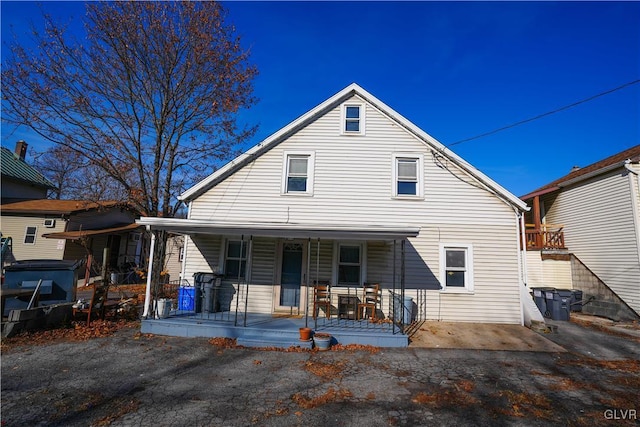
352, 192
19, 180
65, 229
584, 233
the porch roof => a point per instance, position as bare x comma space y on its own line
286, 230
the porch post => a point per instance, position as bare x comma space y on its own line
247, 275
147, 295
537, 221
235, 322
393, 294
402, 278
308, 276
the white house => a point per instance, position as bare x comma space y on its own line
350, 193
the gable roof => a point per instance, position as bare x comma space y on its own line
312, 115
577, 175
55, 207
18, 169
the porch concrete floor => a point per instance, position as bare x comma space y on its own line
265, 330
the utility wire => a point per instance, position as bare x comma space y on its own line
566, 107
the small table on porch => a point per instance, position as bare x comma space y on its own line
348, 307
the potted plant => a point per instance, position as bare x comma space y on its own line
322, 341
305, 334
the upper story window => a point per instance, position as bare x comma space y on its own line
353, 119
30, 235
456, 267
407, 176
298, 173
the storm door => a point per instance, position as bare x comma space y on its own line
291, 274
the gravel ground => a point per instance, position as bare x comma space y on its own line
131, 379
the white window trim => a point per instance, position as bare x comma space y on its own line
343, 118
311, 155
223, 257
420, 175
363, 259
35, 235
468, 279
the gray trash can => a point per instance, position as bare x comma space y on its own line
561, 304
548, 302
540, 299
404, 310
576, 300
210, 289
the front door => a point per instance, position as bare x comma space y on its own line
291, 274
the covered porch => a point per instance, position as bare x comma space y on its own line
236, 307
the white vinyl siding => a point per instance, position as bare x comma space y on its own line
548, 273
352, 178
598, 221
15, 227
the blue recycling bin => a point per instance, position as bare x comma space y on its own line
187, 298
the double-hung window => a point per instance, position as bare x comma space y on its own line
349, 264
298, 173
353, 119
407, 176
235, 259
456, 267
30, 235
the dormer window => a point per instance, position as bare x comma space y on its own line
353, 119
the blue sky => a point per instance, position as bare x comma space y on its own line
455, 69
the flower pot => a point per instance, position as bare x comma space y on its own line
322, 341
305, 334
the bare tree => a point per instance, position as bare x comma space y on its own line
150, 97
75, 177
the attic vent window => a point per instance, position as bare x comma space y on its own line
353, 119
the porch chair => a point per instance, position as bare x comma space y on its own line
99, 303
322, 298
370, 300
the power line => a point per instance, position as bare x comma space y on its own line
566, 107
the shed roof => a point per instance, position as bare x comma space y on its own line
601, 166
16, 168
55, 207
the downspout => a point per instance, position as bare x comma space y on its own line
147, 295
187, 237
634, 202
521, 262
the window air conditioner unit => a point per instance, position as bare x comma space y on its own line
49, 223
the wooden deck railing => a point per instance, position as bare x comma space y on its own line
547, 236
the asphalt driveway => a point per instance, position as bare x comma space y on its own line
131, 379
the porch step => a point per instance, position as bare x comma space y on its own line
272, 338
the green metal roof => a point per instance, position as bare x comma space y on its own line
12, 166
